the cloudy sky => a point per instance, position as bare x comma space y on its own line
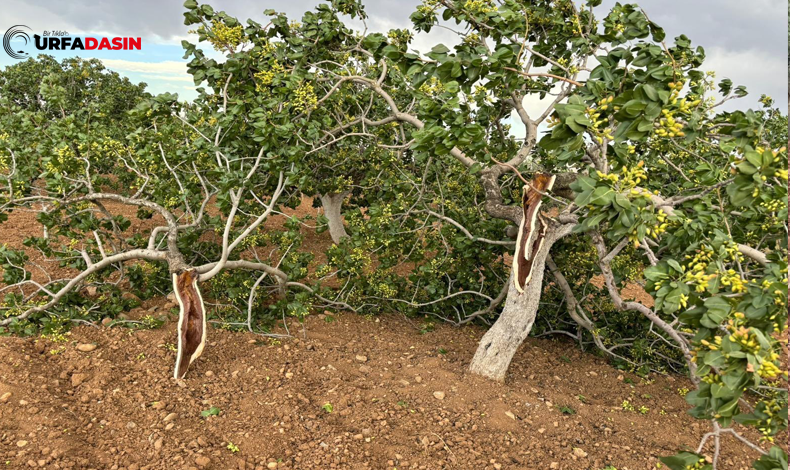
744, 41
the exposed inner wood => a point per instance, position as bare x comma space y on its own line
532, 229
191, 321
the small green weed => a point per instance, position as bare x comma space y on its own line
213, 411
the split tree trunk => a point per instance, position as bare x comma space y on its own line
502, 340
191, 321
333, 203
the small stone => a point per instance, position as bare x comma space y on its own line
271, 465
593, 374
541, 430
169, 417
21, 443
418, 379
86, 347
202, 461
158, 405
106, 321
361, 358
579, 452
510, 415
289, 375
367, 432
130, 296
158, 444
202, 441
4, 397
78, 379
358, 437
209, 373
438, 395
365, 369
554, 465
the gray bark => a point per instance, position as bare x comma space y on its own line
333, 204
501, 341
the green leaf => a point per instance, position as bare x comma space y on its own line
650, 92
213, 411
684, 461
602, 196
675, 265
622, 202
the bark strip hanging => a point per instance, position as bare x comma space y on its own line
532, 230
191, 321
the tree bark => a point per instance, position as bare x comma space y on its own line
333, 203
502, 340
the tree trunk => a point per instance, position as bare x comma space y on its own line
333, 204
502, 340
191, 321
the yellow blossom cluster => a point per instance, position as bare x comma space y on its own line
304, 97
472, 38
696, 267
770, 408
432, 87
226, 36
667, 126
734, 281
264, 78
594, 115
479, 6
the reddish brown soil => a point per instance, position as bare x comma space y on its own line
118, 406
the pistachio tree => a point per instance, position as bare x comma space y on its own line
639, 156
163, 165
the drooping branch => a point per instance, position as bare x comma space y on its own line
604, 259
227, 247
669, 207
143, 254
577, 313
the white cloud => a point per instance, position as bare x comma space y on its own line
169, 78
169, 67
758, 70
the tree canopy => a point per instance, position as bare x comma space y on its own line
628, 170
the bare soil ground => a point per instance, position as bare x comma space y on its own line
400, 398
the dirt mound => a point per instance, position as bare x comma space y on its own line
355, 393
